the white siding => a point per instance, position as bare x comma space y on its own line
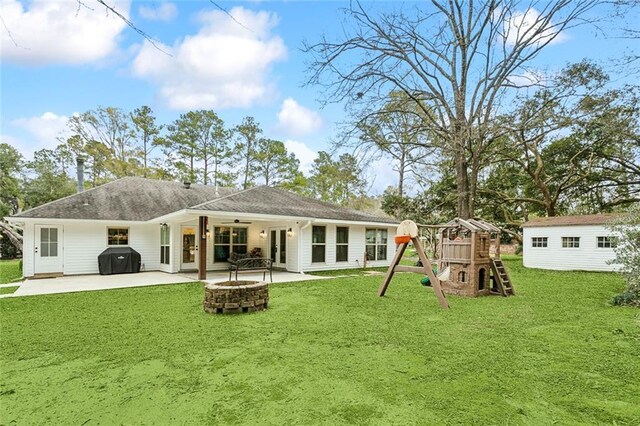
588, 257
82, 242
356, 248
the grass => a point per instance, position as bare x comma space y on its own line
326, 352
10, 271
8, 290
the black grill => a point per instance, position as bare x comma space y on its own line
119, 260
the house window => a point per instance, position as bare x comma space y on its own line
165, 245
342, 244
318, 243
227, 240
539, 242
607, 242
570, 242
376, 244
118, 236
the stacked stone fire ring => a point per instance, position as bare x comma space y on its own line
234, 297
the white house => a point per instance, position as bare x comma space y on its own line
169, 223
569, 243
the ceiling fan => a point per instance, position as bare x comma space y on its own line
235, 222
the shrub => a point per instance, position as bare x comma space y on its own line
627, 229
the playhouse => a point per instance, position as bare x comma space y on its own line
466, 266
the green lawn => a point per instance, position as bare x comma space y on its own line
10, 271
9, 290
326, 352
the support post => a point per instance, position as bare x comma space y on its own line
396, 260
435, 281
202, 248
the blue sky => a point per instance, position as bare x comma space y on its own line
70, 60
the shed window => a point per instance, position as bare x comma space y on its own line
318, 243
227, 240
118, 236
539, 242
570, 242
342, 244
607, 242
376, 244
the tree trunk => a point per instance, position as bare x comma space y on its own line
462, 183
14, 237
145, 142
206, 169
401, 171
246, 168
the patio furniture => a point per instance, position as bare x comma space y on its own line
247, 263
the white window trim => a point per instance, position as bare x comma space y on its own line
319, 244
377, 244
166, 229
544, 240
606, 239
572, 246
119, 227
342, 244
231, 244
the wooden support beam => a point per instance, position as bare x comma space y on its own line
435, 282
394, 263
202, 247
406, 268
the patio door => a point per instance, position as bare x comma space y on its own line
278, 247
48, 249
189, 249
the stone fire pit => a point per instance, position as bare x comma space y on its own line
231, 297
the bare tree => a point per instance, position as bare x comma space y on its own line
456, 60
396, 133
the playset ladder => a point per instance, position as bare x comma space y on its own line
501, 278
424, 269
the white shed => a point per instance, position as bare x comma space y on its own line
567, 243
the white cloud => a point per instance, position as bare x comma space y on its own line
166, 11
58, 32
224, 65
521, 26
296, 120
44, 131
527, 78
303, 153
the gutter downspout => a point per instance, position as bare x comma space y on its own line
300, 229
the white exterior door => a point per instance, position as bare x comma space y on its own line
189, 249
278, 247
48, 249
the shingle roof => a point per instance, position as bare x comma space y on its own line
589, 219
273, 201
139, 199
472, 225
129, 198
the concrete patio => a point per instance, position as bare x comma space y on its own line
71, 284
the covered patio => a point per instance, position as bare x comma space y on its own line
71, 284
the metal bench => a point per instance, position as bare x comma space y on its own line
251, 264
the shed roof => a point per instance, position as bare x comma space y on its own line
140, 199
576, 220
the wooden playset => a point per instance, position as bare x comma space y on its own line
465, 266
